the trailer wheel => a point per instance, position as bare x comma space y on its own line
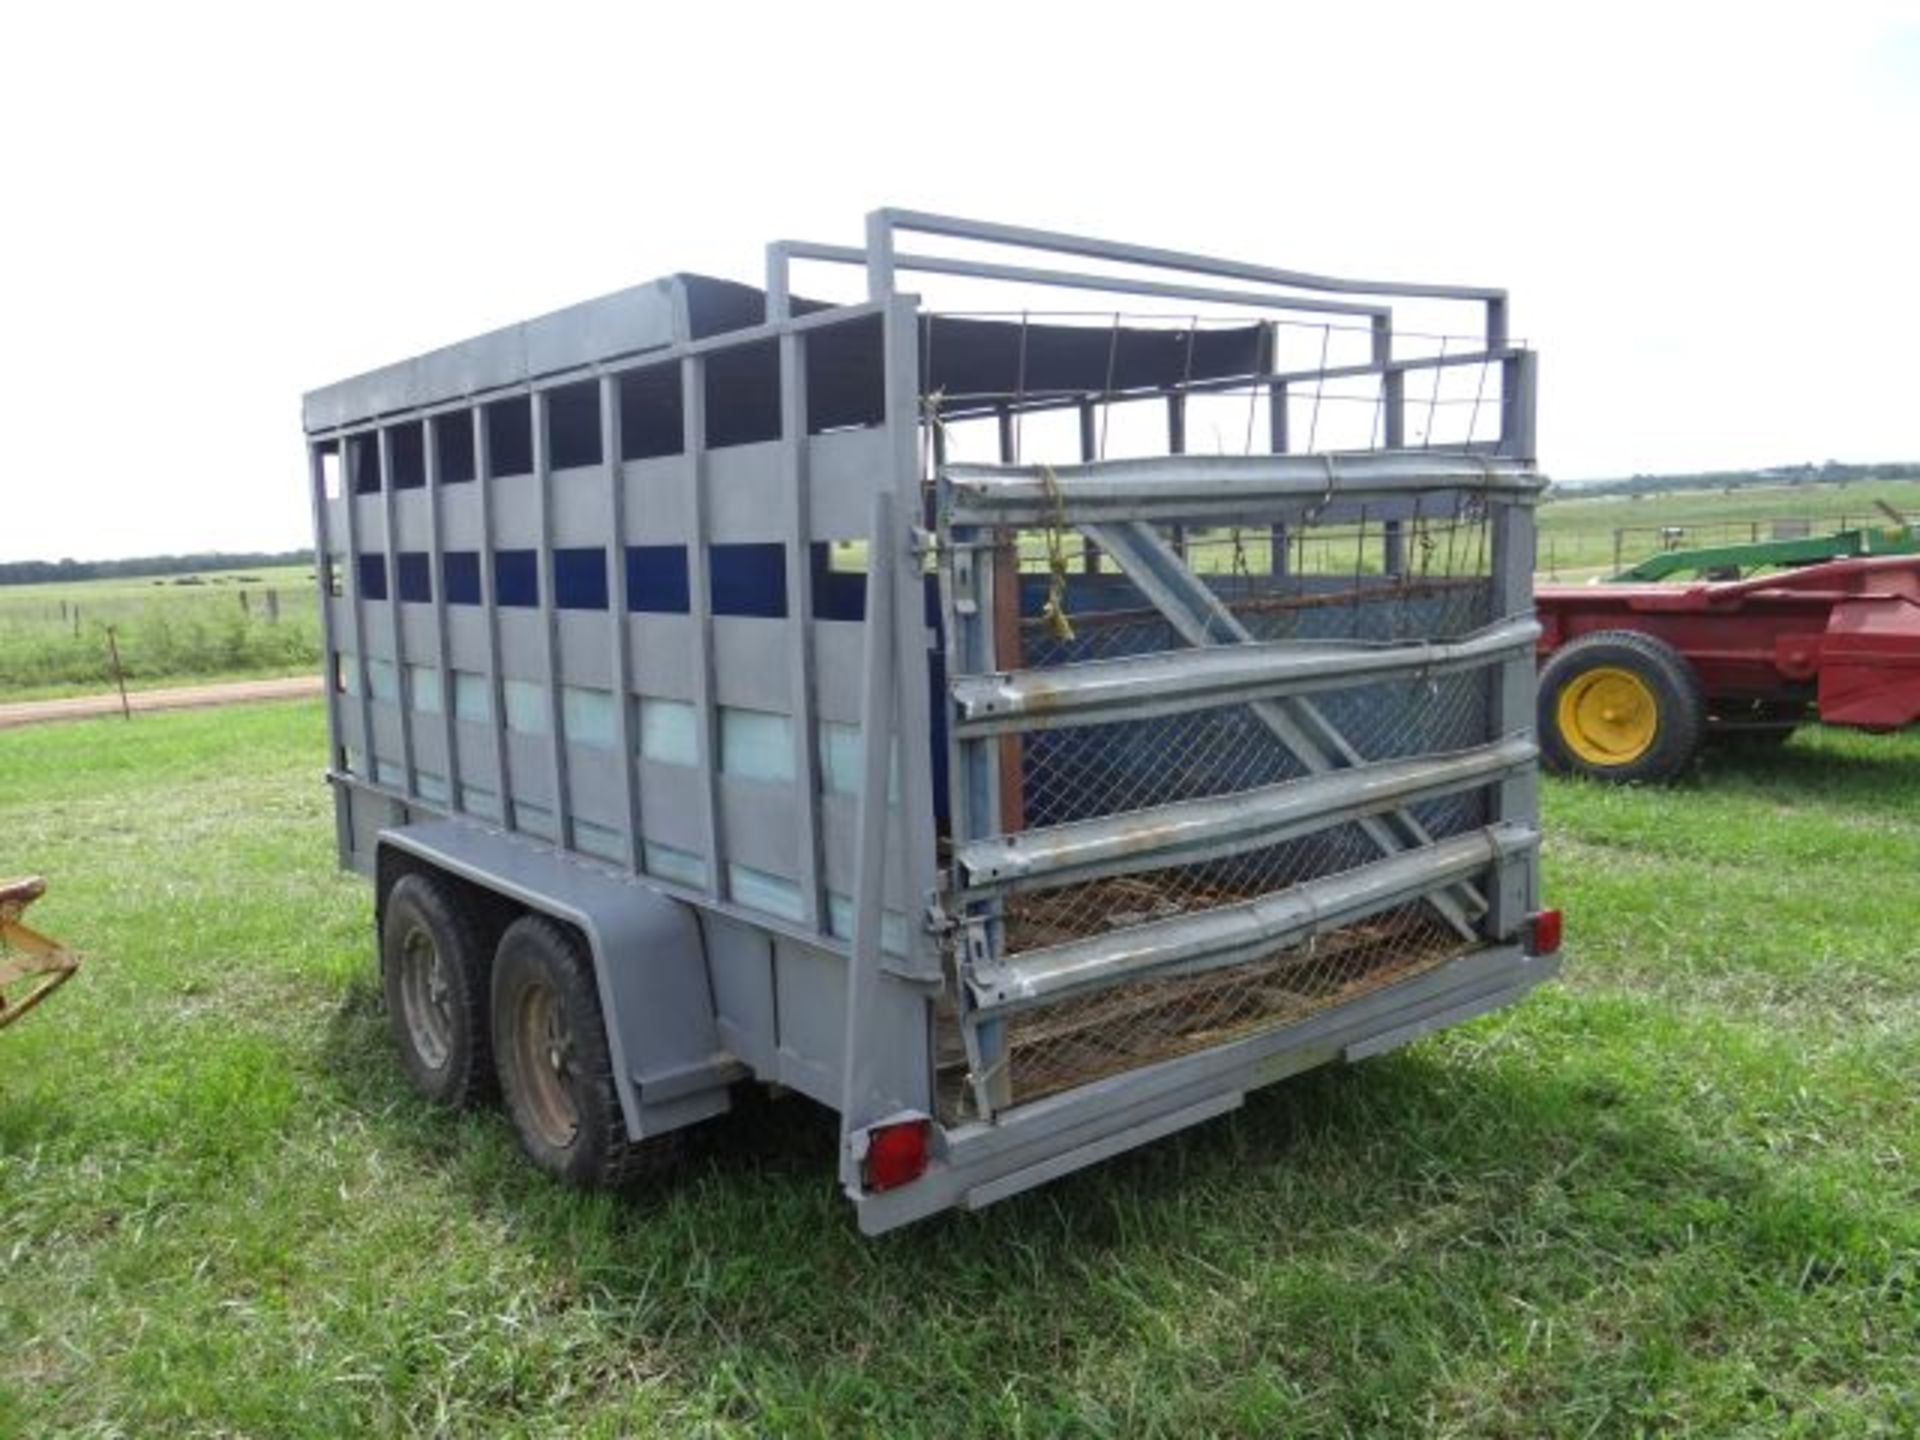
556, 1075
1620, 705
433, 967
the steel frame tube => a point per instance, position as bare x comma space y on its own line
1172, 682
1188, 832
1196, 485
1234, 934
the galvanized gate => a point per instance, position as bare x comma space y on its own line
1226, 748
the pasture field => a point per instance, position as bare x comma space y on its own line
1576, 533
1674, 1193
53, 637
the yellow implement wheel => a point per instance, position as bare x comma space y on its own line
1608, 716
1620, 705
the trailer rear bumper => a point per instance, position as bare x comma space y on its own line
975, 1165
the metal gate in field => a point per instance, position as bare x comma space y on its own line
1227, 744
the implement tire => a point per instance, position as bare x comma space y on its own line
1622, 706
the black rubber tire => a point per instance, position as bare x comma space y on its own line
457, 1071
1680, 705
537, 953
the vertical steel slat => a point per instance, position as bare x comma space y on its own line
1003, 599
972, 790
612, 446
879, 256
394, 627
1393, 400
1089, 452
911, 638
1513, 685
879, 727
970, 585
490, 598
437, 589
1519, 377
796, 501
1393, 390
356, 608
1393, 436
693, 410
978, 789
549, 621
1177, 445
323, 567
1277, 443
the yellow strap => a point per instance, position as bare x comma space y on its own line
1055, 610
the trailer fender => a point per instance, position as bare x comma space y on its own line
649, 964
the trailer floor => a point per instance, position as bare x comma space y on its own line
1076, 1042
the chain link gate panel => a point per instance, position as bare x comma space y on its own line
1151, 855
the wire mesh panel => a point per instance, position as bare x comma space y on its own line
1115, 830
1089, 1039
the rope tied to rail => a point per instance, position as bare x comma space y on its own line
934, 428
1319, 506
1054, 612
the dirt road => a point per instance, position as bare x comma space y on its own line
181, 697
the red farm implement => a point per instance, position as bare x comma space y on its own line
1636, 676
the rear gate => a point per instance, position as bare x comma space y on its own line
1231, 742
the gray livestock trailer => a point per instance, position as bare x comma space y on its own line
1024, 730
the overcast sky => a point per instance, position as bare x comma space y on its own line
1705, 214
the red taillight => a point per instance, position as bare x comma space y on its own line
896, 1155
1544, 932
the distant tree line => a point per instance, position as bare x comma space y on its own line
40, 572
1830, 472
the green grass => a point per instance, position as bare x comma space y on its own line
1675, 1193
53, 638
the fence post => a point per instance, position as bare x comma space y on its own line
119, 675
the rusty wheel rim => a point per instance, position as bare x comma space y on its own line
543, 1046
426, 999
